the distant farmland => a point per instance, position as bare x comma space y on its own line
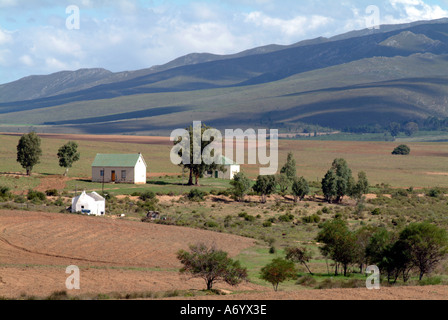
427, 166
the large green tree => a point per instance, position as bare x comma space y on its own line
265, 186
338, 181
339, 243
29, 151
300, 189
68, 154
211, 265
197, 170
427, 245
240, 186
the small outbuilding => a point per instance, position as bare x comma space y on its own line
119, 168
89, 203
232, 169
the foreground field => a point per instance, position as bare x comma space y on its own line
126, 258
113, 255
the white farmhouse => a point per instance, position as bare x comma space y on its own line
119, 168
90, 204
231, 170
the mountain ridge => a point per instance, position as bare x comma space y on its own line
393, 53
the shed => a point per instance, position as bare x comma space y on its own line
89, 203
232, 169
119, 168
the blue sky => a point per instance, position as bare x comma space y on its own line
123, 35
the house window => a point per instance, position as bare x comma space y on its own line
102, 173
123, 174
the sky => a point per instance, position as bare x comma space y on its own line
40, 37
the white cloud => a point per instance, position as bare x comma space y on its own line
296, 26
5, 37
414, 10
132, 34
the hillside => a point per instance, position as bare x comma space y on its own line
367, 77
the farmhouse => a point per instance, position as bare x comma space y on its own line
90, 204
119, 168
231, 170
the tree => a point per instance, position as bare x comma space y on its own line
264, 186
339, 243
338, 181
300, 189
427, 245
283, 182
344, 181
389, 254
241, 186
68, 154
299, 255
289, 169
394, 129
211, 265
278, 271
29, 151
361, 187
197, 170
411, 128
329, 186
402, 150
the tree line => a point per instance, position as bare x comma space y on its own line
29, 152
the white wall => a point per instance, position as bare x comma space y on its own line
140, 172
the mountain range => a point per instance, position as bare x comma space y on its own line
367, 77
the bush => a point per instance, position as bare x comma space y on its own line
267, 224
147, 195
307, 281
311, 219
286, 218
376, 212
52, 193
36, 195
434, 193
4, 192
402, 150
196, 195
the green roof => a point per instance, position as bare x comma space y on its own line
115, 160
226, 161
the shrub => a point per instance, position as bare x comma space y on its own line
286, 218
36, 195
311, 219
307, 281
434, 193
52, 193
4, 192
376, 212
196, 195
402, 150
147, 195
211, 224
267, 224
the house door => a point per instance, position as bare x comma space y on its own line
216, 174
113, 176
